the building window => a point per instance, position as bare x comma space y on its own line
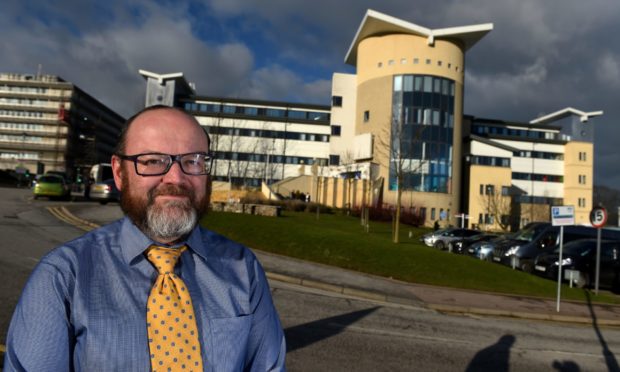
490, 190
337, 101
334, 160
366, 116
428, 61
336, 130
439, 63
391, 62
481, 189
432, 214
582, 156
380, 64
403, 61
582, 179
416, 61
505, 190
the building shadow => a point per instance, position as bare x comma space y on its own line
300, 336
493, 358
610, 358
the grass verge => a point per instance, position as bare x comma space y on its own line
340, 241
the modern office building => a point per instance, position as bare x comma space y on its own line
254, 141
47, 124
397, 123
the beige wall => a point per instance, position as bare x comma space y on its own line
379, 59
485, 204
573, 168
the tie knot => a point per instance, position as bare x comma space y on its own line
163, 258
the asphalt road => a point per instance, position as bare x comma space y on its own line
331, 332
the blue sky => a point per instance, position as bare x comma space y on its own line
542, 56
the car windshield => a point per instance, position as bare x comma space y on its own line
577, 248
50, 179
529, 234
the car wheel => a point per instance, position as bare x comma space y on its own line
527, 267
439, 245
584, 280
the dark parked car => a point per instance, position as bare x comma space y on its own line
443, 239
462, 245
580, 255
526, 244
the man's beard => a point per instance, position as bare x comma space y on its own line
165, 221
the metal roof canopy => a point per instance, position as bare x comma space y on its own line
566, 112
376, 24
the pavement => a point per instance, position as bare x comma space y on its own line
380, 289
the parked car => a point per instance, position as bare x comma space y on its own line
525, 245
580, 255
51, 186
442, 240
104, 191
430, 238
461, 245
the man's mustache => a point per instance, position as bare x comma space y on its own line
171, 190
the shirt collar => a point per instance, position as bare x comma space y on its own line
133, 242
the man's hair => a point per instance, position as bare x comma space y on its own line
121, 144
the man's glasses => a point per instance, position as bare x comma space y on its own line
155, 164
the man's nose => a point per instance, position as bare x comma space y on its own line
175, 174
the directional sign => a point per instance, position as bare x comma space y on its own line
563, 215
598, 217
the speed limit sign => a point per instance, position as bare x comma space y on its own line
598, 217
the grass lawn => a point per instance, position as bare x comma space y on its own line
340, 240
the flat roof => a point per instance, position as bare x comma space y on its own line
376, 24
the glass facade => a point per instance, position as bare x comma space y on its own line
422, 133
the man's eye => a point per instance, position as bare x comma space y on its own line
152, 162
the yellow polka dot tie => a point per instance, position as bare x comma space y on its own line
171, 325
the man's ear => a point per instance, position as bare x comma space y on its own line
117, 171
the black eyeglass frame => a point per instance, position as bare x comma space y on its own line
173, 159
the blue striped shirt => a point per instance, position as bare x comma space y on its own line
84, 306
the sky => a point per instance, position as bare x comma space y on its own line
542, 55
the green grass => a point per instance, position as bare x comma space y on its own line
340, 241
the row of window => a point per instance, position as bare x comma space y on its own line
484, 129
12, 88
23, 101
490, 190
537, 177
416, 61
489, 160
423, 183
23, 126
20, 155
216, 108
528, 199
30, 114
442, 215
539, 155
265, 158
262, 133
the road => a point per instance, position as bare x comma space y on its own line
330, 332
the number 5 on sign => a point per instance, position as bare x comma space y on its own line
598, 217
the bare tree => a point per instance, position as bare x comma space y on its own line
498, 204
403, 138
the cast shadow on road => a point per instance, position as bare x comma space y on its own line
493, 358
610, 358
300, 336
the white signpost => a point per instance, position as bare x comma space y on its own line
598, 219
561, 216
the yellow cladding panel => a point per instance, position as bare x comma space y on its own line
408, 54
483, 203
578, 179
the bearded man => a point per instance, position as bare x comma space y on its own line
153, 291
